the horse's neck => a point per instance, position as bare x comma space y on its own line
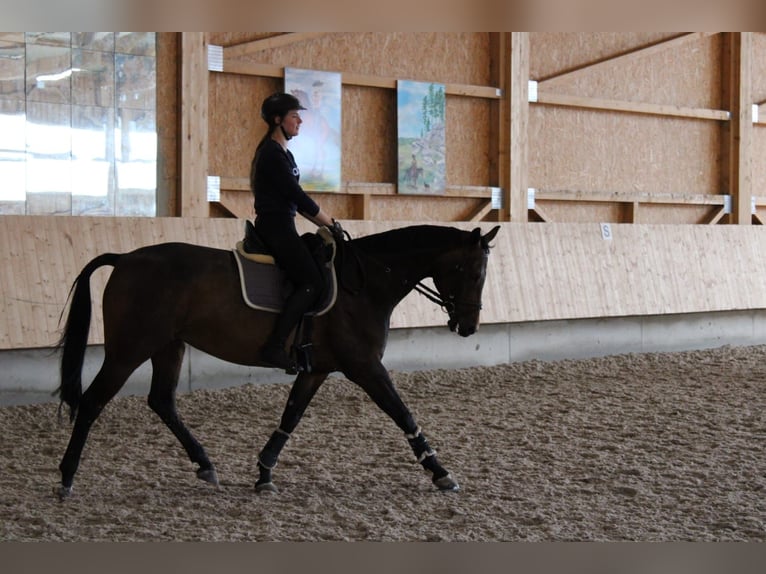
402, 258
399, 274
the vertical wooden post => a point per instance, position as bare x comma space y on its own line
737, 96
500, 131
508, 151
194, 118
519, 118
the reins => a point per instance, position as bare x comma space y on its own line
434, 296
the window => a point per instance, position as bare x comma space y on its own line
78, 129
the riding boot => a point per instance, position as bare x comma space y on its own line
273, 351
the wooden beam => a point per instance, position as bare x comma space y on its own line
479, 212
194, 118
232, 65
633, 107
500, 121
738, 96
631, 212
249, 48
622, 59
718, 215
541, 214
519, 122
630, 197
356, 188
361, 207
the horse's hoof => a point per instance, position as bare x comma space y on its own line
63, 492
447, 483
265, 487
209, 475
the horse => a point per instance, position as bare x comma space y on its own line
161, 297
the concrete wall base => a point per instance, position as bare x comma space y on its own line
33, 373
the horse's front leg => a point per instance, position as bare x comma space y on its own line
377, 383
303, 390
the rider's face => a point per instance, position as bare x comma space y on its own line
291, 122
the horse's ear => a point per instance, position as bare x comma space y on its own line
489, 236
476, 235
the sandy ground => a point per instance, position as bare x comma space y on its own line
650, 447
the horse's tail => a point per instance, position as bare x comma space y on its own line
74, 339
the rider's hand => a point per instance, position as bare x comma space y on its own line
337, 231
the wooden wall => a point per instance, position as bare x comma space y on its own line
536, 272
626, 127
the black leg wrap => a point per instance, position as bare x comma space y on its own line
267, 458
420, 446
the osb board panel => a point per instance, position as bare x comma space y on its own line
419, 208
581, 212
536, 272
652, 213
468, 134
675, 214
553, 53
759, 68
368, 137
686, 75
450, 57
609, 151
235, 126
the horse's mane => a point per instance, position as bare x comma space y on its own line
412, 237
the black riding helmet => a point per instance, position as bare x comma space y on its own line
277, 105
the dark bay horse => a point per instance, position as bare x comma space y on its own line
161, 297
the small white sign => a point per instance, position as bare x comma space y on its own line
606, 231
213, 188
215, 58
532, 91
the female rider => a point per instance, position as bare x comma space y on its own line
274, 181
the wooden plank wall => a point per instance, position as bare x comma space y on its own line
536, 272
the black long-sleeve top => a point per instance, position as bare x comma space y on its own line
275, 183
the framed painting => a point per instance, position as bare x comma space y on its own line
421, 142
317, 146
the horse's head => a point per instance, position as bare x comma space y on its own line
459, 279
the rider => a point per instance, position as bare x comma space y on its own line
274, 181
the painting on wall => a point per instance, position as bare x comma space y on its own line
421, 142
317, 147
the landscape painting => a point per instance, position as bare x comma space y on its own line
421, 139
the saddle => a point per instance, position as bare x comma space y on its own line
266, 287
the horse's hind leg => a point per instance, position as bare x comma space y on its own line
166, 368
105, 385
377, 383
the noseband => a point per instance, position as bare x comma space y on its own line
449, 304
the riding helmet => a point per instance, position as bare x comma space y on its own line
277, 105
